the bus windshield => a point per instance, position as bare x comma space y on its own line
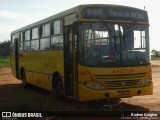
110, 44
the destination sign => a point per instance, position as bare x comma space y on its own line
115, 13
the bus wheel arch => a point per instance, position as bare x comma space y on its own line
57, 84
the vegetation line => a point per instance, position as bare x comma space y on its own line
4, 61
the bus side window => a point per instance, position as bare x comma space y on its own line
21, 41
27, 40
12, 43
57, 36
35, 39
45, 37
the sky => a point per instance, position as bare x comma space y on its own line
15, 14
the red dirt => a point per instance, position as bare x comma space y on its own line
13, 97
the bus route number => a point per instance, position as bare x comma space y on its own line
94, 12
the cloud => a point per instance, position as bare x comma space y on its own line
10, 15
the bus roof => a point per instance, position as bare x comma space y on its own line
76, 9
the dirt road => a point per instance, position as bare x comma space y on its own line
13, 97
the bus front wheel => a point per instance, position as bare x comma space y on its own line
58, 86
23, 77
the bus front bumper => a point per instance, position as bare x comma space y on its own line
87, 94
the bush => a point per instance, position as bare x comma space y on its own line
4, 61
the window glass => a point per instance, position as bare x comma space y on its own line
35, 33
35, 44
57, 42
12, 43
57, 27
13, 37
22, 37
21, 41
113, 45
45, 44
139, 39
27, 35
96, 37
20, 45
27, 45
45, 30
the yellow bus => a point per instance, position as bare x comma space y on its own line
89, 52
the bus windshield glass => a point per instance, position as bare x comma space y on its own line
111, 44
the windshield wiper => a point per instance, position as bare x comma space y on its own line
129, 29
112, 33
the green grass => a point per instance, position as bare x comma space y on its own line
4, 61
155, 58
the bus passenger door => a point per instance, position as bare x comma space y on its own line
15, 55
70, 63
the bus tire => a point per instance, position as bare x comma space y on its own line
23, 77
58, 86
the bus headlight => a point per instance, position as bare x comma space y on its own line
98, 85
145, 82
90, 84
95, 85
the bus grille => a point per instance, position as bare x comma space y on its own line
121, 84
121, 81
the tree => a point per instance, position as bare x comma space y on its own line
155, 53
5, 48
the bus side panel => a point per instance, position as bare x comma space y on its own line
31, 61
51, 62
39, 80
40, 67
